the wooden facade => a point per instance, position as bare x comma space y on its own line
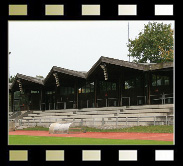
110, 82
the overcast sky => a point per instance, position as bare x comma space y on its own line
37, 46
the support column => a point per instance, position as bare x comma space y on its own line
29, 99
55, 97
122, 87
119, 91
41, 98
76, 93
143, 88
95, 96
12, 101
148, 88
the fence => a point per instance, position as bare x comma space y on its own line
96, 122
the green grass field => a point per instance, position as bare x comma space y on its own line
41, 140
139, 129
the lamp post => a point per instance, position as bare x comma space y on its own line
128, 41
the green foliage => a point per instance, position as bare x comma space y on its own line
154, 43
11, 79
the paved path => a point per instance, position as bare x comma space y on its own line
108, 135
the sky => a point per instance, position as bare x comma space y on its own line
37, 46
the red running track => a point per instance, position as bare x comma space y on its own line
107, 135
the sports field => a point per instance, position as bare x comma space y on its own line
42, 140
152, 135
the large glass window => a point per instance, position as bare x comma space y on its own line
129, 84
66, 90
158, 80
154, 80
47, 92
166, 80
102, 85
138, 81
83, 89
33, 91
69, 90
113, 86
88, 88
17, 95
92, 86
107, 86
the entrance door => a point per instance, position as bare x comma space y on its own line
35, 99
108, 96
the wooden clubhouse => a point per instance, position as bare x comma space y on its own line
110, 82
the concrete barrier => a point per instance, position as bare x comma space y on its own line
11, 126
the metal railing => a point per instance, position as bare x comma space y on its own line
113, 121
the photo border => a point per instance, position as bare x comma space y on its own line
73, 153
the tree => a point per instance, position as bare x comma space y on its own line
11, 79
154, 43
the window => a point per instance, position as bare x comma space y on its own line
83, 90
32, 91
92, 87
129, 84
69, 90
153, 80
63, 90
102, 85
159, 81
113, 86
16, 95
108, 86
138, 81
166, 80
88, 88
72, 91
66, 90
47, 92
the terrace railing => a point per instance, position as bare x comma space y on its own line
113, 121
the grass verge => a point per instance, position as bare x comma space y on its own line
139, 129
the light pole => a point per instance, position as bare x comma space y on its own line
128, 42
9, 65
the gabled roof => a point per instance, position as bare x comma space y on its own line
122, 63
70, 72
116, 62
27, 78
85, 75
65, 71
